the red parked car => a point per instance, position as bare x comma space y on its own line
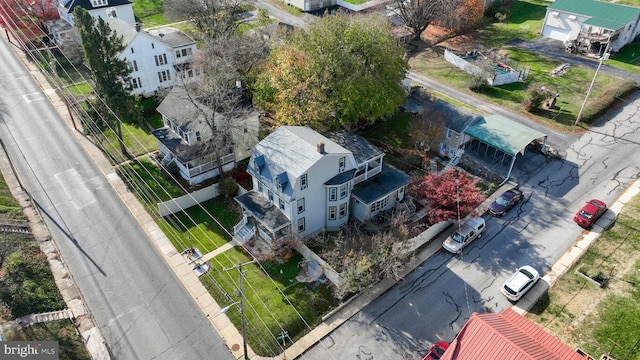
436, 351
506, 201
590, 213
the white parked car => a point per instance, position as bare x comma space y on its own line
520, 282
469, 231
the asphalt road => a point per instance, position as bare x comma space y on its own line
436, 299
139, 305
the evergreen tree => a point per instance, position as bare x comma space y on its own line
101, 47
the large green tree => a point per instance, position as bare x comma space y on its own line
102, 47
340, 70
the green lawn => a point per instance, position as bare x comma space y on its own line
572, 86
196, 225
272, 304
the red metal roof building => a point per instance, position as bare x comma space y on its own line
506, 336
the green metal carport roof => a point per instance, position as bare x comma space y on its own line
503, 134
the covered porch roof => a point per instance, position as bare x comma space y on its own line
268, 214
388, 180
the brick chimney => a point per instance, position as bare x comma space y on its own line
320, 147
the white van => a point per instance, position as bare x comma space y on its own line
469, 231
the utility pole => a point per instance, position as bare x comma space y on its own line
244, 326
602, 58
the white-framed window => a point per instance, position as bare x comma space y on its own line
160, 59
300, 205
164, 75
333, 194
132, 51
343, 191
178, 53
301, 224
332, 212
341, 163
449, 133
260, 187
136, 83
133, 65
303, 182
343, 210
270, 195
379, 205
187, 51
153, 46
281, 203
96, 3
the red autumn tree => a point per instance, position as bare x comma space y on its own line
27, 20
446, 194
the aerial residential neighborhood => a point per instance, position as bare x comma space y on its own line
320, 179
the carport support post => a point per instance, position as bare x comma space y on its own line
606, 49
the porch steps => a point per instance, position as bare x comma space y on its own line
245, 233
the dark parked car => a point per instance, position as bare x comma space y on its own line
506, 201
436, 351
590, 213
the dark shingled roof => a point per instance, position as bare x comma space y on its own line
341, 178
177, 146
268, 214
388, 180
71, 4
360, 147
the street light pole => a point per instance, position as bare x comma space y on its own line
593, 81
244, 326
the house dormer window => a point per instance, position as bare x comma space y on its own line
258, 163
96, 3
448, 133
341, 163
303, 182
281, 181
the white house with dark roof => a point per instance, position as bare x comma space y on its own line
122, 9
159, 58
184, 138
305, 183
592, 24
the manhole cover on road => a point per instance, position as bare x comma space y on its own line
235, 347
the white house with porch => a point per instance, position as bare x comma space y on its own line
187, 140
305, 183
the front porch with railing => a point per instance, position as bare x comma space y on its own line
245, 231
